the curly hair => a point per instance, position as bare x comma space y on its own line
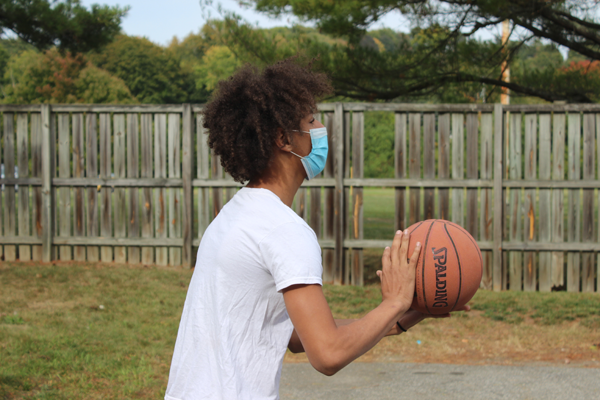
245, 111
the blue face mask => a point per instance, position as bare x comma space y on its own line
314, 162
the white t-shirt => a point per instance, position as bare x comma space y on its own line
234, 329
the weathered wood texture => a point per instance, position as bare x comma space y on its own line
545, 221
23, 166
125, 188
514, 217
529, 202
486, 207
133, 171
328, 209
573, 275
458, 168
64, 171
10, 210
357, 225
414, 167
400, 169
558, 220
78, 149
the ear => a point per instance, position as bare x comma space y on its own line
282, 141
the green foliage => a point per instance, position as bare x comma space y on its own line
440, 60
150, 72
218, 63
45, 23
32, 77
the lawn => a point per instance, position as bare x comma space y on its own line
87, 331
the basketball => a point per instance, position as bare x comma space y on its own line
449, 269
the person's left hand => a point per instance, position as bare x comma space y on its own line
413, 317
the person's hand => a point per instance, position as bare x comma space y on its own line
397, 274
413, 317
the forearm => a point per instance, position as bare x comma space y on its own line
345, 343
295, 345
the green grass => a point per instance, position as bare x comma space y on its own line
57, 342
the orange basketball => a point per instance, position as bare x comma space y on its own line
449, 269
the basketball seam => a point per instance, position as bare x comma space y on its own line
423, 269
471, 239
459, 269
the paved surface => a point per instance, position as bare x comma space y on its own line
440, 382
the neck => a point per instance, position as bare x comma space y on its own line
282, 177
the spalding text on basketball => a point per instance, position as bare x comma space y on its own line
441, 295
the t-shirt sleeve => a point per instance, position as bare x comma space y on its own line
292, 255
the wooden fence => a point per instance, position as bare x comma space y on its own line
138, 184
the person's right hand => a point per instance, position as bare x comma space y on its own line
397, 274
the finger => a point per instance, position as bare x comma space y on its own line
404, 245
415, 255
385, 258
396, 244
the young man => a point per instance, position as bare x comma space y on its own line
256, 288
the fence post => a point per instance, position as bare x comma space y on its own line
187, 152
48, 167
498, 206
338, 197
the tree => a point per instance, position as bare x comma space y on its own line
50, 77
66, 24
440, 52
152, 74
217, 64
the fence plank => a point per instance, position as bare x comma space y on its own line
133, 171
78, 172
187, 257
10, 210
598, 235
358, 140
498, 222
515, 258
347, 210
48, 171
146, 172
587, 234
574, 219
444, 163
458, 168
106, 252
91, 165
472, 172
558, 174
400, 169
120, 206
486, 210
64, 171
429, 164
174, 169
160, 194
23, 165
545, 221
36, 171
203, 173
414, 167
328, 210
338, 197
530, 172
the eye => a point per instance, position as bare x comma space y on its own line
313, 120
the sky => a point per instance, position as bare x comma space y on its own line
159, 20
